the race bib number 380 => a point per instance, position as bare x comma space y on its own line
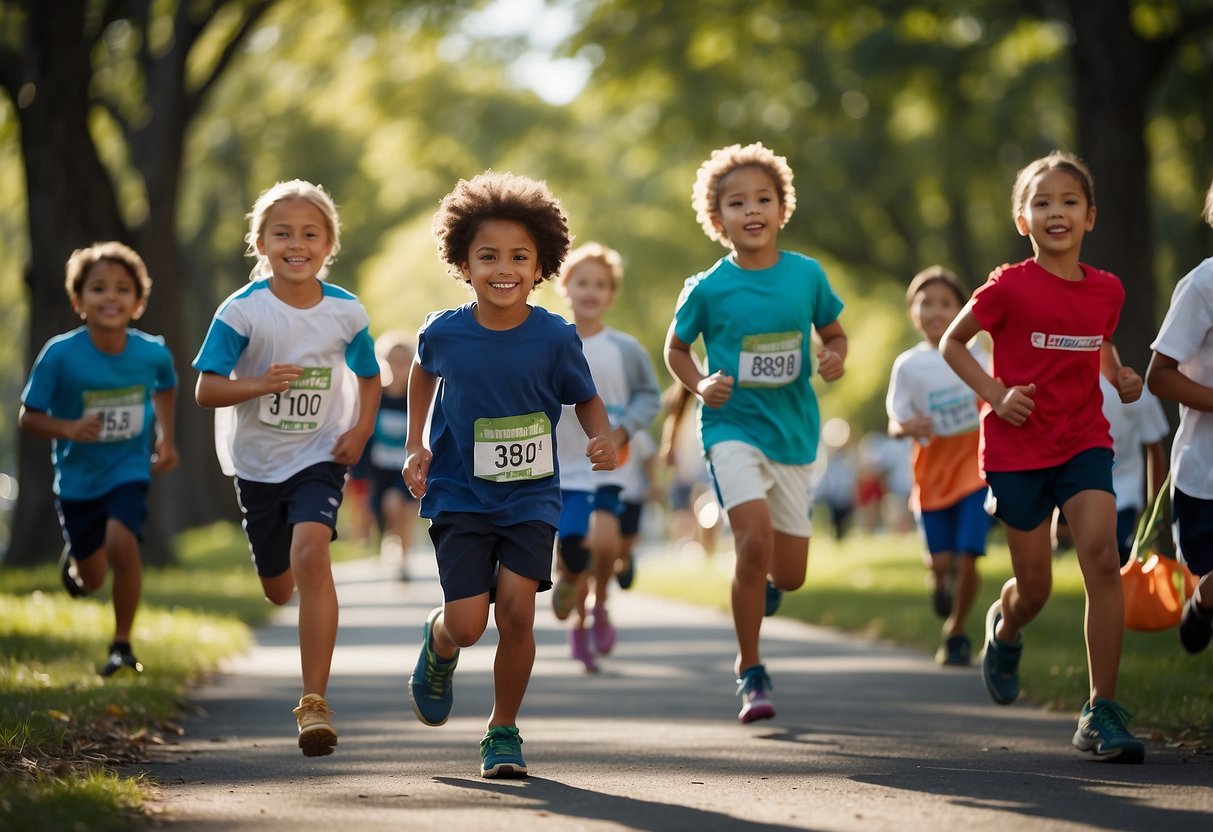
513, 448
121, 411
302, 407
770, 360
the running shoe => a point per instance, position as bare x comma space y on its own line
70, 576
1000, 662
431, 688
956, 651
627, 573
941, 602
774, 598
602, 632
501, 753
316, 733
1195, 627
564, 598
1102, 731
120, 656
579, 646
752, 687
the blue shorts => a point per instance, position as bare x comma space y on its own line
272, 509
469, 548
1192, 527
1025, 499
83, 521
629, 519
575, 510
960, 528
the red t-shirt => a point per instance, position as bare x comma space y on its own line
1047, 331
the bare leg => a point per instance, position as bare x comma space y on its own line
754, 540
1024, 596
1092, 518
122, 549
318, 613
515, 618
964, 593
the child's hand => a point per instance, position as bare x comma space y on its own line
601, 452
829, 365
715, 389
348, 448
1016, 403
85, 429
416, 471
165, 458
278, 378
919, 428
1128, 383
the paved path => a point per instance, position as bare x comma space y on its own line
868, 737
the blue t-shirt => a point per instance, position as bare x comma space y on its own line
498, 401
757, 326
71, 376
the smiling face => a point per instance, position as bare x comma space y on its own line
502, 267
749, 214
1055, 214
295, 243
109, 297
932, 309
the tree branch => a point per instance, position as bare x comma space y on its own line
255, 12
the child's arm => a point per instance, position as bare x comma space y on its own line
713, 390
348, 449
1167, 382
1013, 404
1125, 379
916, 427
214, 390
833, 353
422, 386
593, 418
40, 423
164, 403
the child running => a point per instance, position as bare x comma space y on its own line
930, 404
496, 373
1044, 439
1181, 369
280, 352
756, 310
105, 395
590, 533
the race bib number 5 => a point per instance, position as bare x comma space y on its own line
513, 448
770, 360
121, 411
302, 407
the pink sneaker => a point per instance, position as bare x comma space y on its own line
752, 687
579, 643
602, 631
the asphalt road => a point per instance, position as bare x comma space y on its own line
867, 737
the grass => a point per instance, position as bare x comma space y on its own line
876, 586
62, 727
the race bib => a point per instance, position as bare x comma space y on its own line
121, 411
953, 411
513, 448
770, 360
301, 408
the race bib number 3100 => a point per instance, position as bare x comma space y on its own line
513, 448
121, 411
770, 360
302, 407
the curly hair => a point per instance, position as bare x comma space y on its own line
1208, 214
1057, 160
280, 192
705, 195
936, 274
501, 196
83, 259
608, 257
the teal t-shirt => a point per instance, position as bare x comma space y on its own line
756, 326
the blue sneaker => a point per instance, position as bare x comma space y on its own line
1102, 731
1000, 664
501, 753
431, 689
752, 687
774, 598
957, 651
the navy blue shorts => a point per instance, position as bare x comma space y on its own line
83, 521
960, 528
629, 519
272, 509
1192, 528
1025, 499
469, 548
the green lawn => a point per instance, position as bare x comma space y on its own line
875, 585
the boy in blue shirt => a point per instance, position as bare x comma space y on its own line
495, 373
757, 309
104, 395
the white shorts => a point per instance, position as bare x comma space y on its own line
742, 473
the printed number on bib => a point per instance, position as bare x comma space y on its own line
121, 411
513, 448
770, 360
301, 408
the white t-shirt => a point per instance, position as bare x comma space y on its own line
922, 383
1186, 335
1132, 425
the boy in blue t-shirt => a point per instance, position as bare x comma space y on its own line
756, 310
496, 373
104, 394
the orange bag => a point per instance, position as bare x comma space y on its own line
1155, 589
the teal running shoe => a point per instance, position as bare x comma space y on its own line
1102, 731
774, 598
501, 753
1000, 664
752, 687
431, 688
956, 651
